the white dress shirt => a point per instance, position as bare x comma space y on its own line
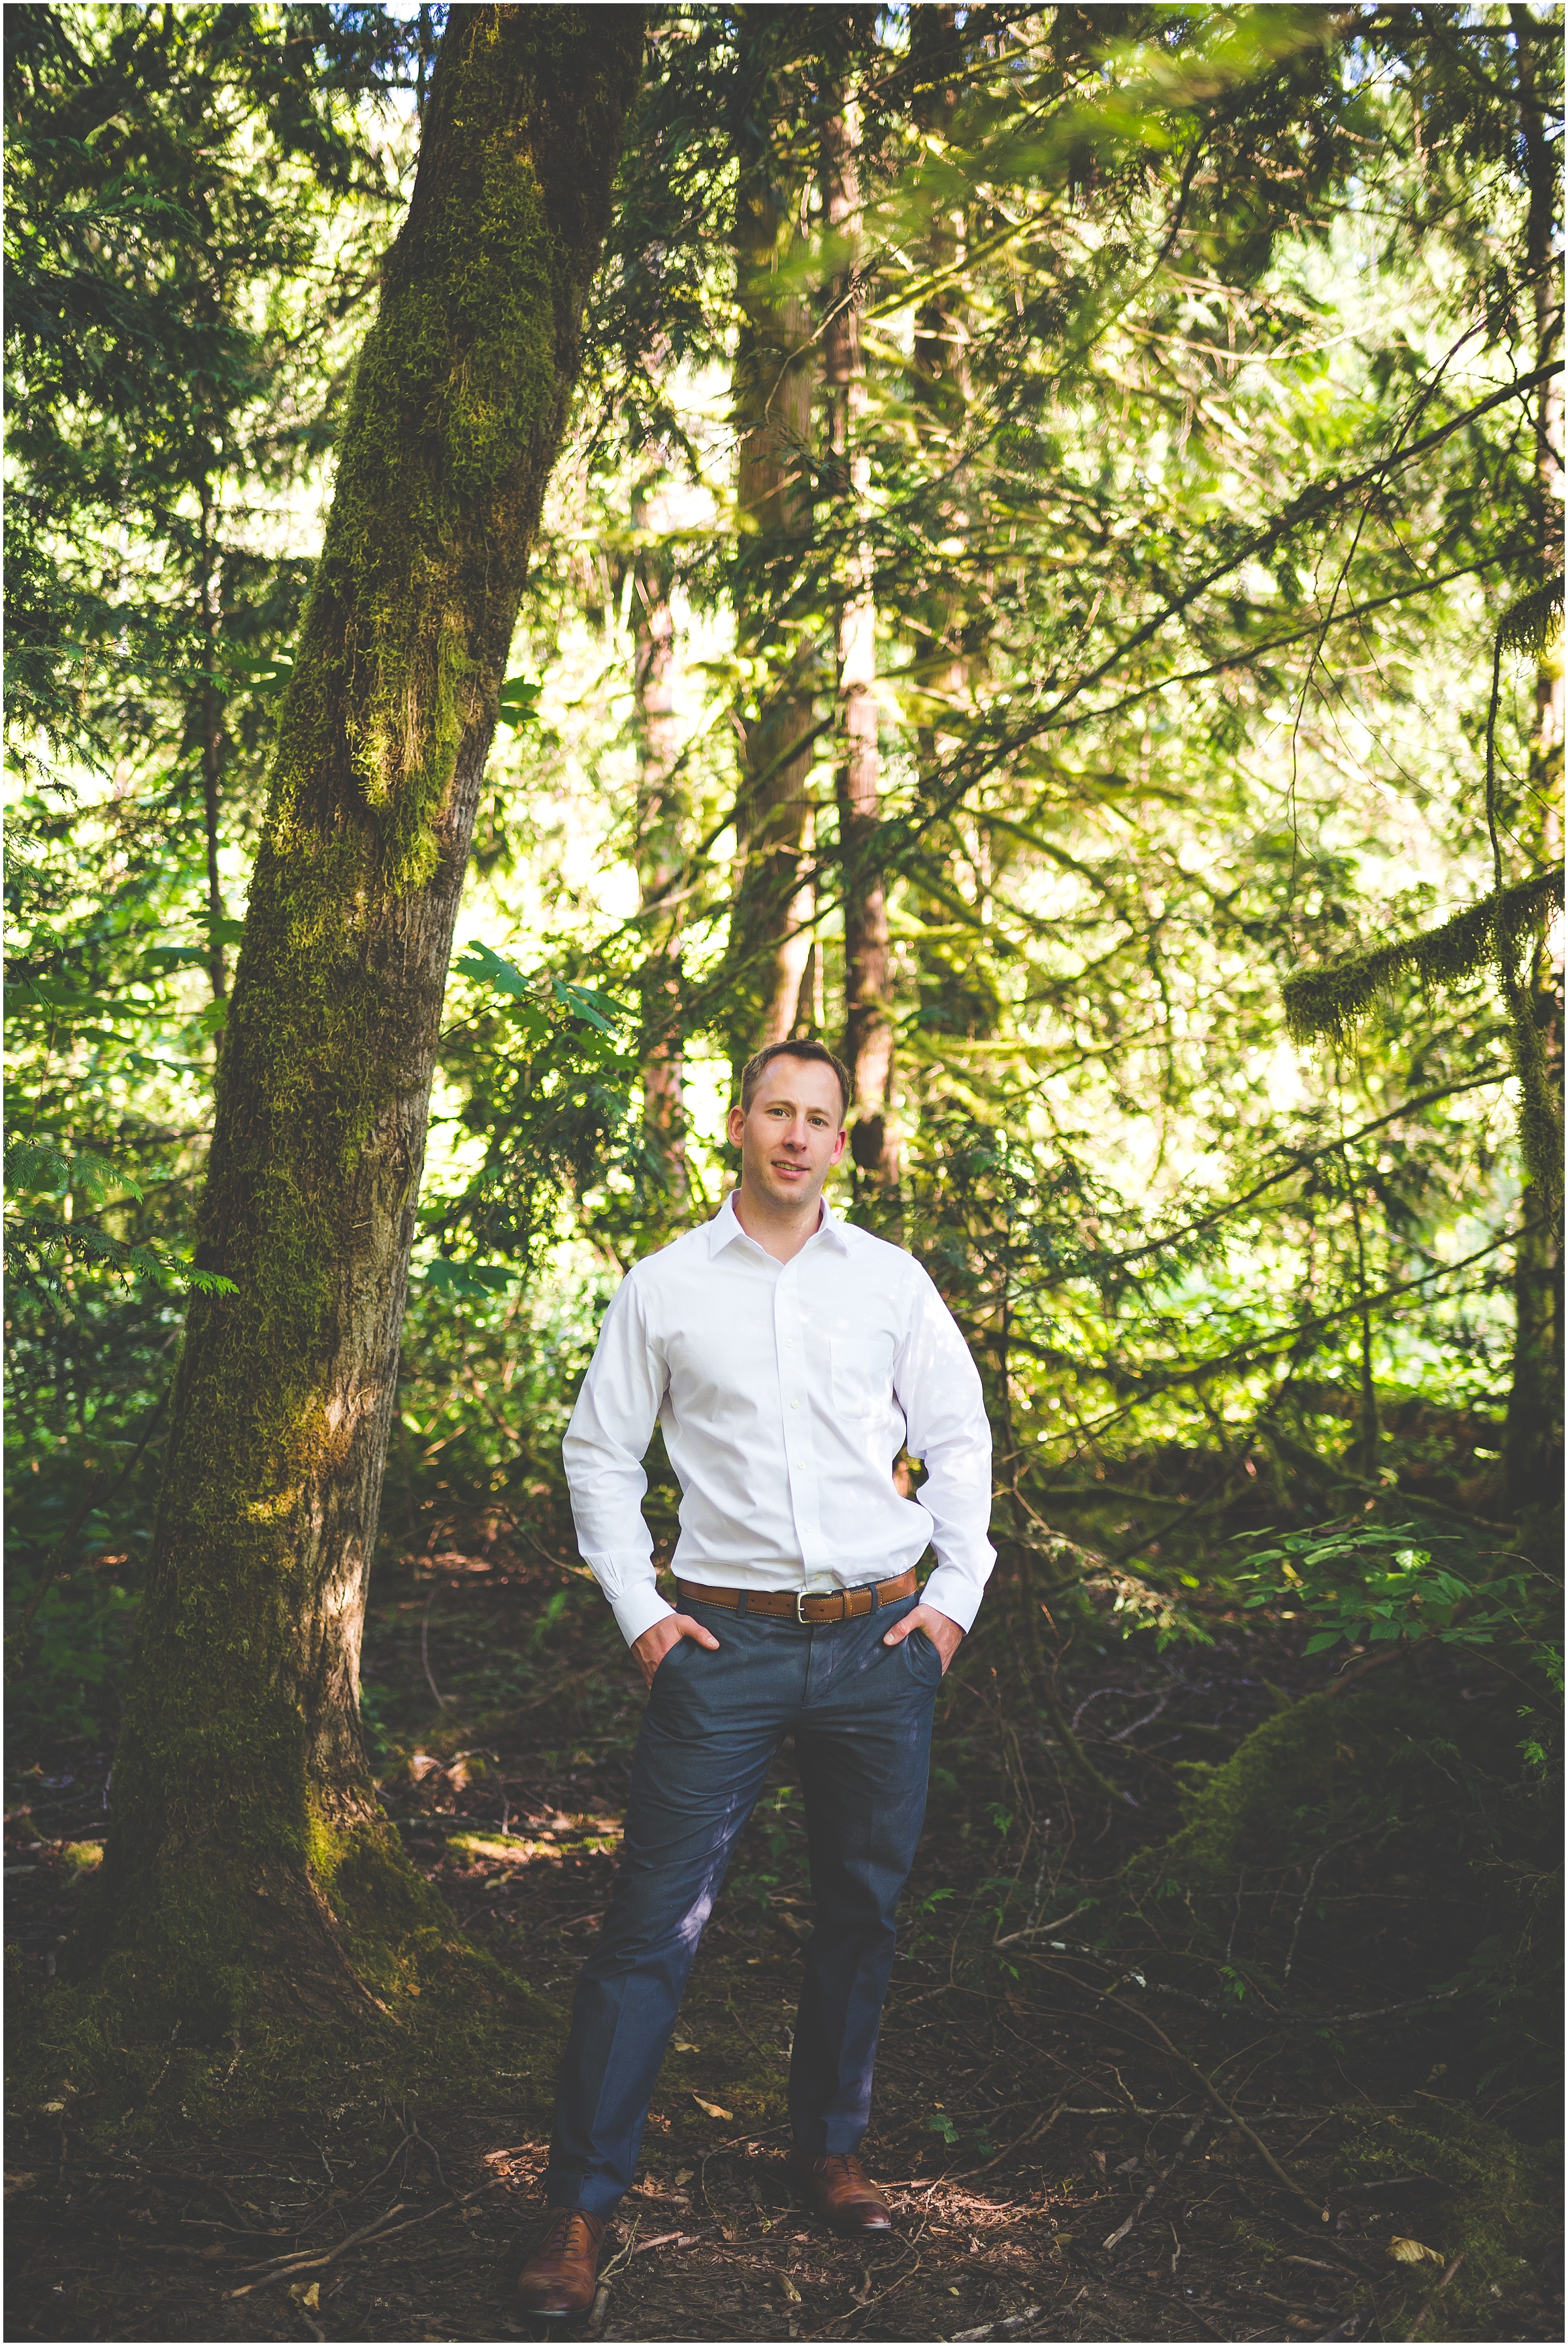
785, 1391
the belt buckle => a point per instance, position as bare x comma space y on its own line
800, 1597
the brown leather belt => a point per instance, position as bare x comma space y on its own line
779, 1605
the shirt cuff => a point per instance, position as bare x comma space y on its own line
954, 1592
638, 1609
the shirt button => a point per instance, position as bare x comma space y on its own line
794, 1404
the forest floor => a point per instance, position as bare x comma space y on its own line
1058, 2166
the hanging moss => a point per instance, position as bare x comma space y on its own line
1328, 1002
1530, 625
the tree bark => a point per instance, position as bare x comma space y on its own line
940, 338
661, 855
1532, 1436
771, 933
211, 759
943, 665
247, 1866
868, 1024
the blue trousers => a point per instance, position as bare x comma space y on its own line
860, 1714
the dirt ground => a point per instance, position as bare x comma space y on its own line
1058, 2166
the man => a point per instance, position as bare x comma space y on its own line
789, 1357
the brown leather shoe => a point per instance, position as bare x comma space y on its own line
561, 2276
839, 2190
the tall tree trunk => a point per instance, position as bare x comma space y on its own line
771, 937
211, 755
941, 337
943, 663
867, 1025
247, 1866
661, 855
942, 380
1533, 1439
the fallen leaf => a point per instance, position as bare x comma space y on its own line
711, 2109
683, 2175
790, 2291
212, 2254
1413, 2252
311, 2297
19, 2183
684, 2044
413, 1987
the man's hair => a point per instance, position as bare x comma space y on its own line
814, 1054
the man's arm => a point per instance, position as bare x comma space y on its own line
603, 1451
939, 1391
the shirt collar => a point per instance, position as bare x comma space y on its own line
726, 1226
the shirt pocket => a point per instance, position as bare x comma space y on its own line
861, 1373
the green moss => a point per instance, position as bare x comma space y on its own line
1283, 1764
1499, 2210
460, 2030
249, 1885
1328, 1001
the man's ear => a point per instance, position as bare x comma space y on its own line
840, 1144
734, 1126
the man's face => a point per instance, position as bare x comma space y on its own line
791, 1134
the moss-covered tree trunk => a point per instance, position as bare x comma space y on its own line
775, 369
662, 822
247, 1867
867, 1025
1532, 1441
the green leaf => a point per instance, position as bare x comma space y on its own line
178, 956
535, 1026
583, 1002
488, 968
518, 703
468, 1279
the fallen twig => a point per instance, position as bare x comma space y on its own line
1159, 2182
392, 2162
622, 2257
996, 2328
1038, 1930
1042, 2125
290, 2268
297, 2260
1236, 2120
674, 2241
862, 2305
1435, 2295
